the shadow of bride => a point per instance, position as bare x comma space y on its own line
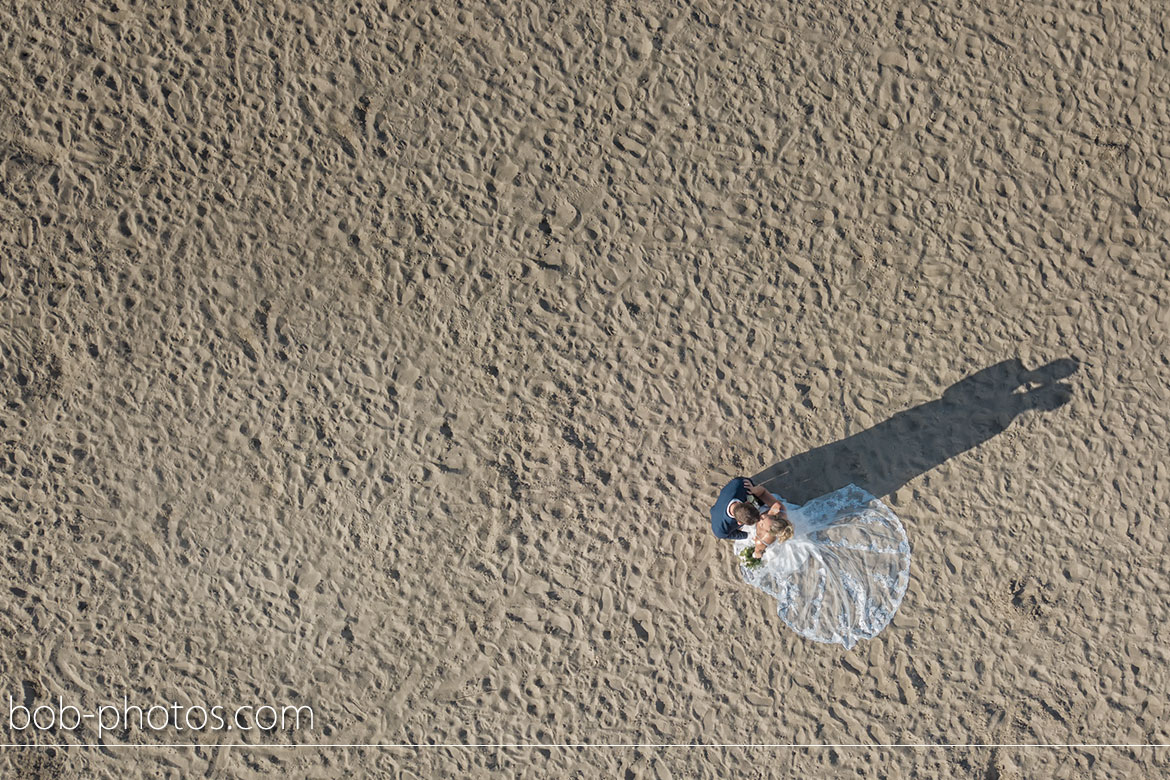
890, 454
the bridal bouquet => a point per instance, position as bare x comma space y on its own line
750, 561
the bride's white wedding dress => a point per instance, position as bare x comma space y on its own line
842, 575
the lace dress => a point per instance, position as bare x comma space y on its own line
844, 572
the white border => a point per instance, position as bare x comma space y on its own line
576, 745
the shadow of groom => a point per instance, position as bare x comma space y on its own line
890, 454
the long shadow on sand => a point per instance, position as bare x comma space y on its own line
890, 454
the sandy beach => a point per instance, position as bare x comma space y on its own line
386, 359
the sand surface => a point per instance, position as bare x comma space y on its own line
386, 358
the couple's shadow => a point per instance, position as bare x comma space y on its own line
890, 454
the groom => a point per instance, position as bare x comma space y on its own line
732, 512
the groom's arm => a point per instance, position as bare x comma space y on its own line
727, 529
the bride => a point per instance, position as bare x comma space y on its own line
838, 567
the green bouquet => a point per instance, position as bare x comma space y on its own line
750, 561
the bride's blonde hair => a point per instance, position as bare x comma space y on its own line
777, 528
